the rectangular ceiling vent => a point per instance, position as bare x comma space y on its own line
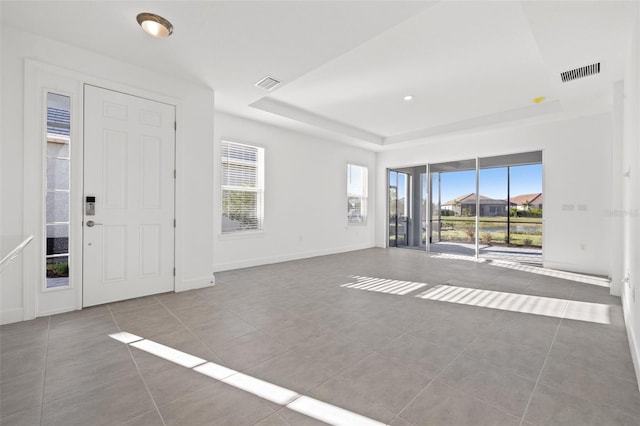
581, 72
268, 83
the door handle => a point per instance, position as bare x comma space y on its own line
91, 224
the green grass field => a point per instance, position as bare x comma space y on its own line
493, 230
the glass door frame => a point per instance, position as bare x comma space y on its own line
478, 160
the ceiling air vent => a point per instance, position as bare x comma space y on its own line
268, 83
585, 71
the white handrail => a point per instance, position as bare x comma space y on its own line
15, 252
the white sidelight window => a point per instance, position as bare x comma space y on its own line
357, 182
242, 187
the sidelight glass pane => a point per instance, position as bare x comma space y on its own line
57, 173
58, 184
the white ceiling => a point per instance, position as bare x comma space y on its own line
346, 66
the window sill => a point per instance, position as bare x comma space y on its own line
356, 223
241, 235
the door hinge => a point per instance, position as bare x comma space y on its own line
174, 223
174, 174
175, 125
174, 271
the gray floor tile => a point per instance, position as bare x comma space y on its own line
223, 331
17, 363
29, 417
293, 371
148, 321
348, 397
273, 420
334, 353
399, 421
423, 356
150, 418
294, 418
21, 393
168, 381
490, 384
594, 347
133, 304
443, 405
521, 359
73, 373
109, 404
592, 385
250, 349
217, 404
293, 325
550, 407
23, 339
457, 334
81, 315
389, 382
188, 342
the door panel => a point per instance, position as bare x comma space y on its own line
129, 169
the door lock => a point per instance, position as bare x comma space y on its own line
91, 224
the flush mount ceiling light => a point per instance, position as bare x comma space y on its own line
408, 98
538, 100
154, 25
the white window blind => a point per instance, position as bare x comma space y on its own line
356, 193
242, 187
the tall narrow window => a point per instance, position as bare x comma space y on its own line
356, 193
57, 190
242, 187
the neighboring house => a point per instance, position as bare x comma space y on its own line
465, 205
520, 202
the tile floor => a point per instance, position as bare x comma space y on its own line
386, 354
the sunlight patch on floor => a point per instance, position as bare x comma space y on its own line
310, 407
572, 276
383, 285
523, 303
458, 257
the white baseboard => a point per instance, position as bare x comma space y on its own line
195, 284
248, 263
11, 316
57, 311
631, 336
571, 267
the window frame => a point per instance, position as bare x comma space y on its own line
364, 198
259, 189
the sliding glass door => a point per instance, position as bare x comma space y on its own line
453, 207
489, 207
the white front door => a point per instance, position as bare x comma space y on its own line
129, 151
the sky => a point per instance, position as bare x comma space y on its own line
493, 182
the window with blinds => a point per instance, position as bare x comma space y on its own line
242, 187
356, 193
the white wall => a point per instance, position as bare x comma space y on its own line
576, 172
631, 196
305, 197
194, 157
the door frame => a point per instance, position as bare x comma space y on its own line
102, 93
410, 196
40, 78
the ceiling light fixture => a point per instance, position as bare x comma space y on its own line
408, 98
154, 25
538, 100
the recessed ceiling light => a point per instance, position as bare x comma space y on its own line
408, 98
538, 100
154, 25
